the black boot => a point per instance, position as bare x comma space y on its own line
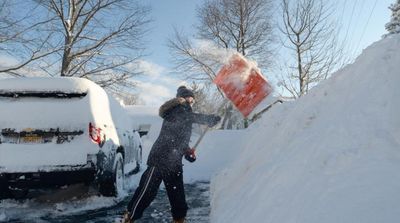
126, 218
181, 220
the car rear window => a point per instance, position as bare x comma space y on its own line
53, 94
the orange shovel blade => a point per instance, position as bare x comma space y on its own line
243, 84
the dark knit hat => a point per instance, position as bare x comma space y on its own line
184, 92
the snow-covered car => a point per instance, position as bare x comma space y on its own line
61, 131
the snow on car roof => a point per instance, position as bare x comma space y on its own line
47, 84
31, 112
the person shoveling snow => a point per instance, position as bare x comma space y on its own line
243, 84
165, 158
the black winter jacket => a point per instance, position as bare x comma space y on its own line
173, 141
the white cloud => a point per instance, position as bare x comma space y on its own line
148, 68
154, 93
30, 70
157, 84
7, 61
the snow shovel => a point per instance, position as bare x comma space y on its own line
242, 83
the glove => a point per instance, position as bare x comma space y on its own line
190, 155
214, 119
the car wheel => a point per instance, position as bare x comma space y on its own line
4, 191
119, 176
114, 186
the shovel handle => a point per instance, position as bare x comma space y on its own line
207, 128
200, 138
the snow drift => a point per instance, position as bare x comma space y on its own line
331, 156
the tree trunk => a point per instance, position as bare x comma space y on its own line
299, 67
66, 61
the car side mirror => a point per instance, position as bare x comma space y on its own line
144, 129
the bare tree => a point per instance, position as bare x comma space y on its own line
311, 37
208, 102
205, 102
19, 38
101, 37
393, 26
96, 39
243, 25
226, 26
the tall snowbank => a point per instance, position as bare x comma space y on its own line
331, 156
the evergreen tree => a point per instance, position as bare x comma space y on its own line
394, 25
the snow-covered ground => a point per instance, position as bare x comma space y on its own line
331, 156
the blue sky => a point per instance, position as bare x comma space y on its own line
159, 82
362, 24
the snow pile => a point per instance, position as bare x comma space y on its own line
331, 156
213, 154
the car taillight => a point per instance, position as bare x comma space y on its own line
96, 134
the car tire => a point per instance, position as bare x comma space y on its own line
114, 186
4, 191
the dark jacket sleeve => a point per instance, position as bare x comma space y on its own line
185, 113
201, 118
174, 110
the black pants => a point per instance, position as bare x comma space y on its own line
148, 188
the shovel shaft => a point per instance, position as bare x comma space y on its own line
200, 138
207, 128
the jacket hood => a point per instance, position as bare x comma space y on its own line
169, 105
